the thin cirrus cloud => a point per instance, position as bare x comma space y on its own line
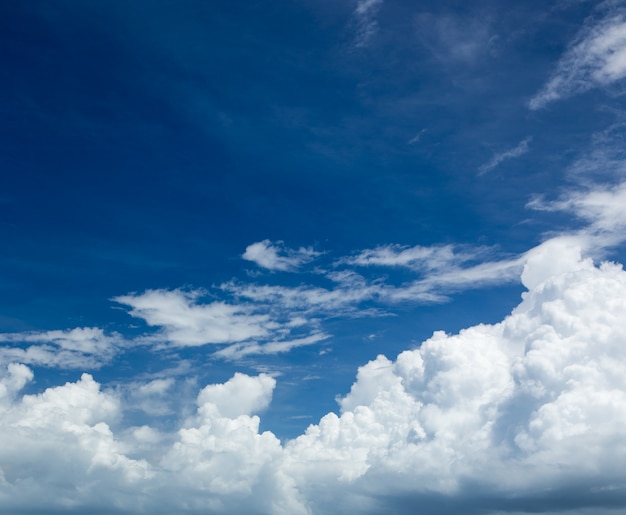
468, 421
596, 58
518, 150
366, 24
241, 350
417, 257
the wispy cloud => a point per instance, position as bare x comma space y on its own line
248, 318
417, 258
415, 139
87, 347
596, 58
520, 149
602, 208
366, 25
275, 256
455, 40
241, 350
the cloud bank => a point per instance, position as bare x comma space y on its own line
498, 418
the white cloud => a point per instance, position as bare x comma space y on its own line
535, 401
58, 451
85, 348
241, 350
240, 395
603, 208
252, 319
596, 58
417, 258
520, 149
274, 256
185, 322
531, 408
436, 287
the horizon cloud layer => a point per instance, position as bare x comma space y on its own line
492, 413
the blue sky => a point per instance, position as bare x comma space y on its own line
312, 257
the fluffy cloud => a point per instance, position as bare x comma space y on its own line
58, 450
511, 417
498, 410
274, 256
596, 58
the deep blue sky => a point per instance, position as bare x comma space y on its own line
146, 147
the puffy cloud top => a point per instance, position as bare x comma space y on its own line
498, 418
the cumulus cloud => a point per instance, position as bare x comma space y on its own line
596, 58
275, 256
87, 347
58, 450
519, 150
498, 418
499, 410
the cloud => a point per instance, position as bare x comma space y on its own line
437, 287
497, 410
520, 149
523, 415
417, 258
603, 208
596, 58
70, 426
185, 322
366, 25
455, 40
252, 319
274, 256
415, 139
86, 348
241, 350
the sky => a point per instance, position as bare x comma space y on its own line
311, 257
